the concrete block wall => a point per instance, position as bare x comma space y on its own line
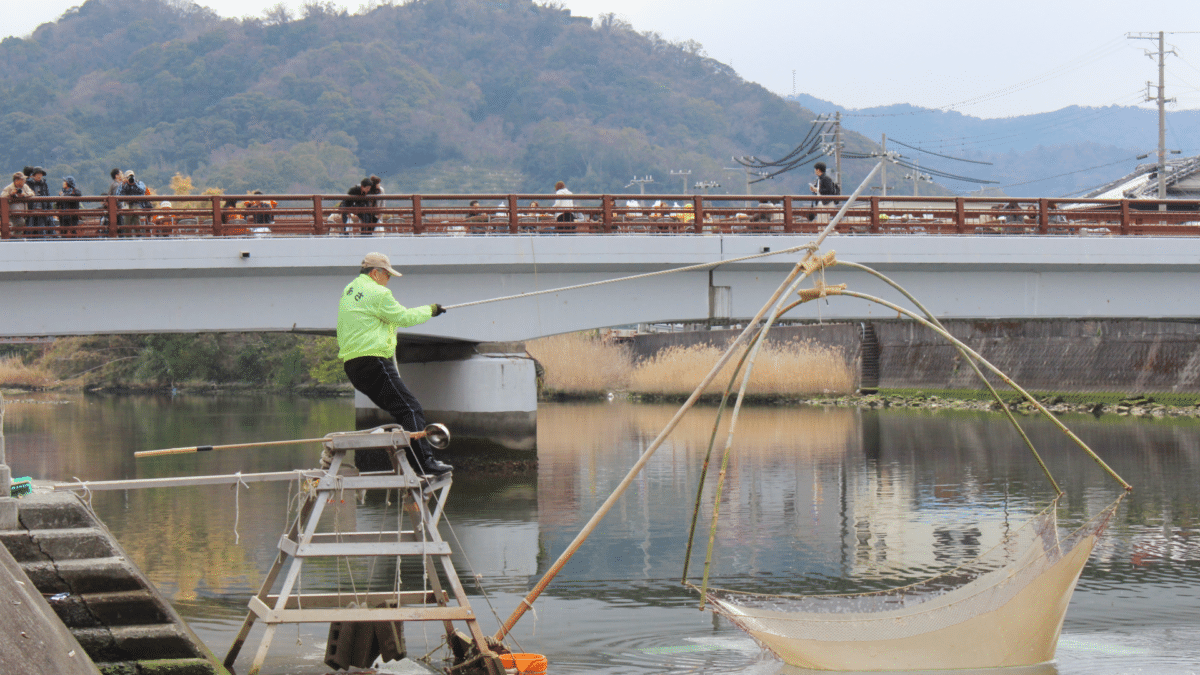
1108, 355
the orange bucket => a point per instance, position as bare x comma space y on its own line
526, 664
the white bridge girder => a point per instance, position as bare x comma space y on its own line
283, 284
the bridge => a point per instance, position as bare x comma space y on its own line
277, 276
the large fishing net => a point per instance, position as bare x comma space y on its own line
1019, 589
1004, 608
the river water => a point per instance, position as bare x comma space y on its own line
817, 499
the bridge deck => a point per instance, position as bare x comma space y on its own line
174, 284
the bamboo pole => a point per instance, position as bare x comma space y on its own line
1007, 380
970, 361
261, 444
775, 300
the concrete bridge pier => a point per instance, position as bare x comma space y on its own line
480, 391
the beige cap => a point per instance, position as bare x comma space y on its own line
381, 261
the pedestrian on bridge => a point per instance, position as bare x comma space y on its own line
368, 316
17, 192
560, 188
37, 183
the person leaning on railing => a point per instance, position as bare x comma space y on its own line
37, 183
17, 193
68, 223
132, 187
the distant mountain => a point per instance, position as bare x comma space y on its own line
433, 95
1091, 145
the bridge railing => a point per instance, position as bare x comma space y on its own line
496, 214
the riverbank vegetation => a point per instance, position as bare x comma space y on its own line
182, 361
586, 365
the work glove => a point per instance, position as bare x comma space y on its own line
438, 309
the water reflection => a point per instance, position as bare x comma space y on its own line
816, 500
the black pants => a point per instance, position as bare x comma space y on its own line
378, 379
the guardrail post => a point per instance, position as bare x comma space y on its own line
512, 214
606, 214
697, 213
789, 218
960, 214
319, 224
1044, 216
873, 228
5, 233
1124, 229
418, 225
216, 209
110, 203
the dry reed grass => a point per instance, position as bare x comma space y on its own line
16, 373
580, 363
790, 368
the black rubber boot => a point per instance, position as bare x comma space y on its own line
425, 464
433, 467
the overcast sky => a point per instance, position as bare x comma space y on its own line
987, 59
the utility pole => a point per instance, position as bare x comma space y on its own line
1162, 106
883, 169
705, 186
837, 147
916, 175
683, 175
831, 143
641, 182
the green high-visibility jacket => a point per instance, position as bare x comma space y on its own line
368, 317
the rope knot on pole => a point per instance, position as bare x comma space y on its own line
815, 263
820, 290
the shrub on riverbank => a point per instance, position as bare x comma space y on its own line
14, 372
256, 360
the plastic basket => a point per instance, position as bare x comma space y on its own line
525, 664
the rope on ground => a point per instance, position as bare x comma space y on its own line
689, 268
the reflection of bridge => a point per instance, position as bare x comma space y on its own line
177, 284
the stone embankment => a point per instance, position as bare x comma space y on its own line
1138, 406
122, 623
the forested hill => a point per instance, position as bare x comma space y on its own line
433, 95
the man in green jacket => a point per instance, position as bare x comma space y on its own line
368, 317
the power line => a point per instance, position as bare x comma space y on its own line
1106, 49
1089, 114
1070, 173
944, 174
930, 152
